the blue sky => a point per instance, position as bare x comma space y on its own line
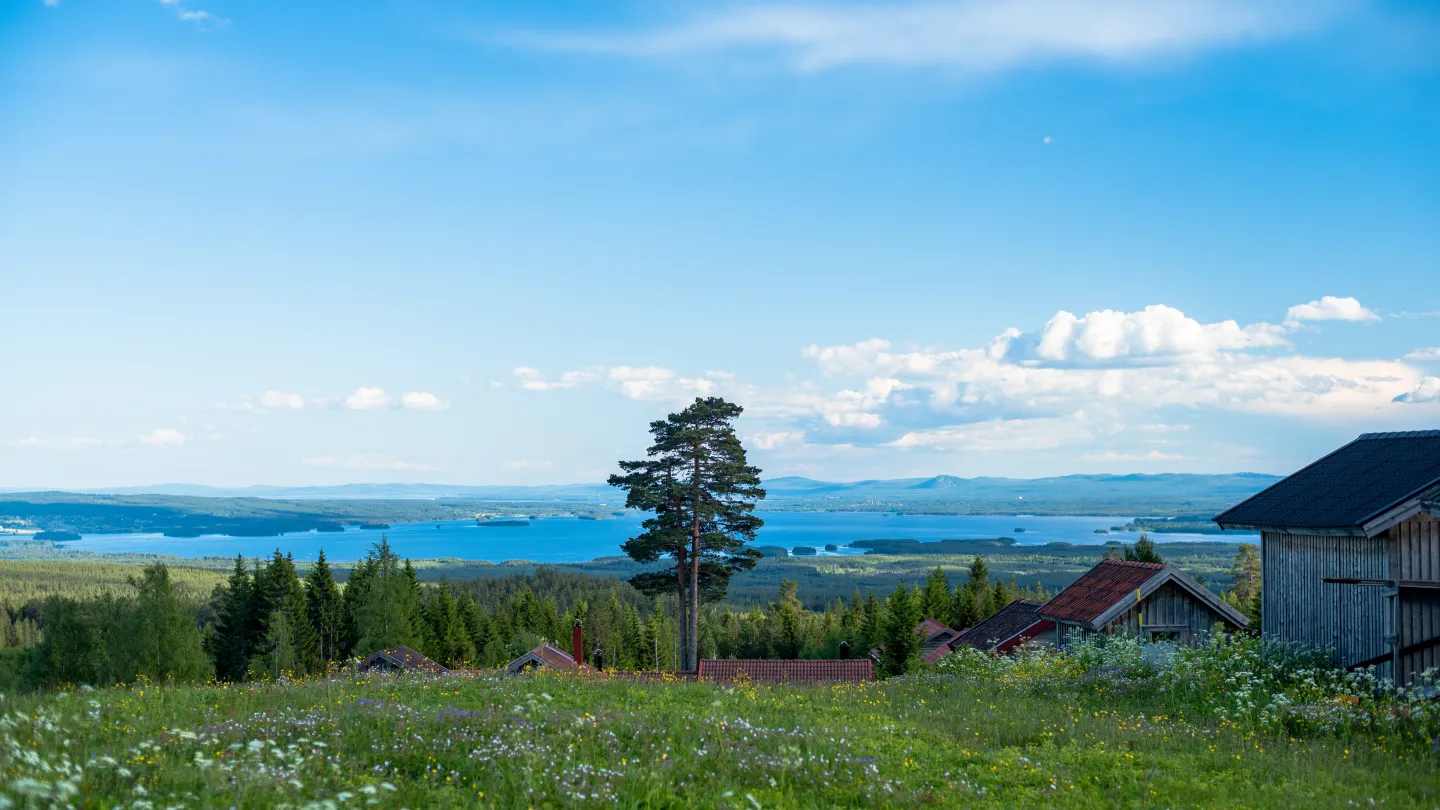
284, 243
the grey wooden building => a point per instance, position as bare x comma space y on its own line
1157, 601
1351, 553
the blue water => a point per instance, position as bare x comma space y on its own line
574, 540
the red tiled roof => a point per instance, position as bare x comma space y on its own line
851, 670
1099, 589
935, 639
402, 657
1002, 625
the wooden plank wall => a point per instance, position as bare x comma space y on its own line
1171, 608
1415, 555
1299, 606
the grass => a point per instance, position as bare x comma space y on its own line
490, 740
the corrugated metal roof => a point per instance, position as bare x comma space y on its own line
1002, 625
1098, 589
851, 670
1349, 487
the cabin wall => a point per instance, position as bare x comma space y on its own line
1169, 609
1415, 557
1298, 606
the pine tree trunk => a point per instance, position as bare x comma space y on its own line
695, 569
683, 604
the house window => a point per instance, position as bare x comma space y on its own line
1165, 635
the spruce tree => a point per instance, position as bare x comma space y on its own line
935, 599
232, 638
901, 651
1144, 551
168, 641
872, 627
326, 610
275, 655
385, 611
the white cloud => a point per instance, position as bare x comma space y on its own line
1427, 353
656, 384
1002, 434
367, 461
279, 400
202, 19
423, 401
777, 439
1153, 455
368, 399
1427, 391
532, 380
965, 35
1157, 330
1329, 308
164, 437
1161, 428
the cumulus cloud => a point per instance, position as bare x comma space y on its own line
1002, 434
964, 35
368, 399
1329, 308
1157, 330
279, 400
164, 437
1427, 391
367, 461
423, 401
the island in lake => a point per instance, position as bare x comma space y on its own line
501, 523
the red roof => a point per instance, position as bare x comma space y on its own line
402, 657
1099, 589
1003, 625
551, 656
852, 670
935, 639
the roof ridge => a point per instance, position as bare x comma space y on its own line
1399, 434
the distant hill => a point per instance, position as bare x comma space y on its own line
1106, 492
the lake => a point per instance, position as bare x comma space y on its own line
574, 540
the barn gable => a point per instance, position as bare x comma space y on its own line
1351, 553
1153, 599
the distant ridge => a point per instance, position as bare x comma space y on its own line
1101, 488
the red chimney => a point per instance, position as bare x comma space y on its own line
577, 644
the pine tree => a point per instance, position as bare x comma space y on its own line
1000, 596
326, 610
935, 599
1144, 551
901, 651
873, 624
702, 491
275, 655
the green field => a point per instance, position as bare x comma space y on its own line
1039, 734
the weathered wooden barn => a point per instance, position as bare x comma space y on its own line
400, 659
1157, 601
1351, 553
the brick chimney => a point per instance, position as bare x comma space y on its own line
577, 644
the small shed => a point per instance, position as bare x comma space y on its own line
400, 659
1157, 601
935, 639
547, 656
1009, 627
767, 671
1350, 553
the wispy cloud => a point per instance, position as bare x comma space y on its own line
965, 35
1153, 455
1427, 353
199, 17
368, 461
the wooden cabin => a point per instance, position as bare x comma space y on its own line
935, 638
400, 659
546, 656
1154, 600
1351, 553
1013, 626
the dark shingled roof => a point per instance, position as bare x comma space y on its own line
1098, 589
402, 658
1349, 487
852, 670
935, 638
1002, 625
549, 655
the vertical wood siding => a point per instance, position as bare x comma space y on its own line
1415, 549
1299, 606
1172, 609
